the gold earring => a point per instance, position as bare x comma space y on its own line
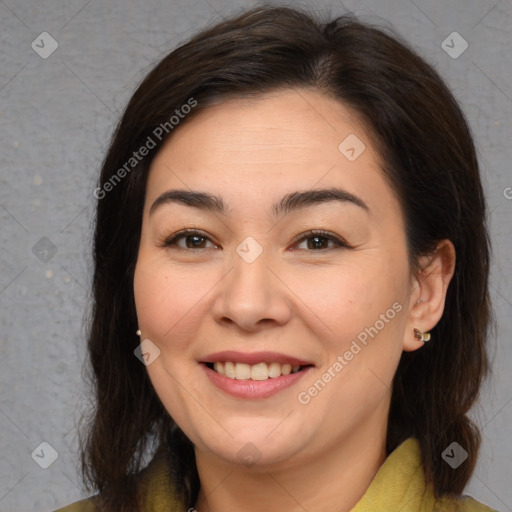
421, 336
138, 333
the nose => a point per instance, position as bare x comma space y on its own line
251, 296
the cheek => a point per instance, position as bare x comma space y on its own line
347, 299
169, 300
358, 315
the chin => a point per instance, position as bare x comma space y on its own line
250, 442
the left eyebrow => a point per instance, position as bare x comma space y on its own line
290, 202
300, 200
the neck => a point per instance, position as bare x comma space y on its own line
334, 479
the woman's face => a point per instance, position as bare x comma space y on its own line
296, 257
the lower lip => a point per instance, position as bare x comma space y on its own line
254, 388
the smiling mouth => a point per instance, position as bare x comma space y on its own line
259, 371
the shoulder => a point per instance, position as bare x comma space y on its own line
85, 505
400, 484
463, 504
154, 489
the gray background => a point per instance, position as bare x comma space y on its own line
56, 117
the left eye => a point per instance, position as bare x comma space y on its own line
317, 241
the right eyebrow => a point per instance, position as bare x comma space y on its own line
188, 198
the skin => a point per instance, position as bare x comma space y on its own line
294, 298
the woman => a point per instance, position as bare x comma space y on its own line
290, 287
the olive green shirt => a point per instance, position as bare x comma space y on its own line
399, 485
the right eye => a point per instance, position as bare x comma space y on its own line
188, 239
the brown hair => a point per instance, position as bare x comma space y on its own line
429, 158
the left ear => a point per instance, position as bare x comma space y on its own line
429, 285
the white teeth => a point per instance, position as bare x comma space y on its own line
274, 370
286, 369
242, 371
229, 369
259, 371
219, 368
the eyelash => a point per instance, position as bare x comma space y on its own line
319, 233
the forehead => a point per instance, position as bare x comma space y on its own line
269, 146
296, 120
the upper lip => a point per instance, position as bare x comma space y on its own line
254, 358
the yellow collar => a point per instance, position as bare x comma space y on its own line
399, 485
